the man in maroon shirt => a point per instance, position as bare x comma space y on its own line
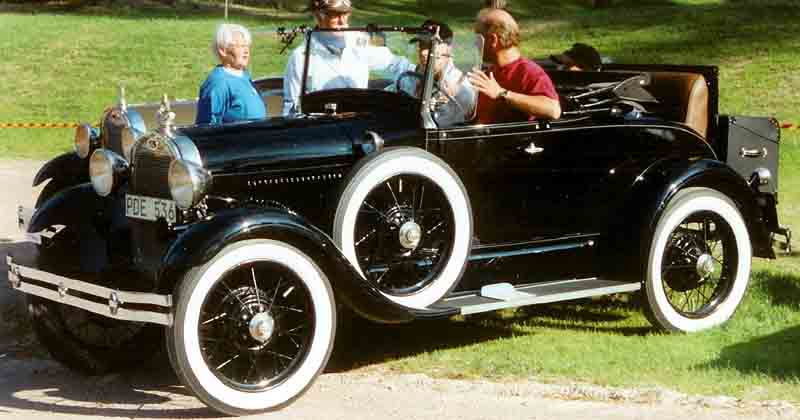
515, 88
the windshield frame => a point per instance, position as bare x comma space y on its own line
374, 29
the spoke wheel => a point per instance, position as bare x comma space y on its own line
257, 325
405, 230
405, 223
253, 327
699, 263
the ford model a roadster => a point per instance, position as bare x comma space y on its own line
241, 241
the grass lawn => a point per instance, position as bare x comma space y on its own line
65, 66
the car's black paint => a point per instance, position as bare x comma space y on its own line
574, 198
67, 165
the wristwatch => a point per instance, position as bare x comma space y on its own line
503, 95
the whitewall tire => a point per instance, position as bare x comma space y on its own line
253, 328
699, 262
405, 223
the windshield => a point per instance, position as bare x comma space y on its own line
393, 61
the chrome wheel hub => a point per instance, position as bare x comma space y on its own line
410, 235
262, 326
705, 266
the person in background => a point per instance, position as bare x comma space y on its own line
514, 88
228, 93
581, 57
339, 59
451, 87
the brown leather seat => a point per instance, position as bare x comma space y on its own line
683, 98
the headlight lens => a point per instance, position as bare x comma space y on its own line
188, 183
106, 170
83, 140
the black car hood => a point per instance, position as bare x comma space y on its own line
274, 143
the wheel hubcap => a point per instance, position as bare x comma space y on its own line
705, 266
262, 326
410, 235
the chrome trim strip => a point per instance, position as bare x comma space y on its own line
534, 249
116, 298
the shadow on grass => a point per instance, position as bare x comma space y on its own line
775, 355
781, 288
144, 9
361, 343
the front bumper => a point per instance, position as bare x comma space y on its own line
117, 304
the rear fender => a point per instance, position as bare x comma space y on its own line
652, 192
66, 166
203, 240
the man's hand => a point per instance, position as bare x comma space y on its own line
485, 84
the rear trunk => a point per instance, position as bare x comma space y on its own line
751, 145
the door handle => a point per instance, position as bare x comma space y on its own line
753, 153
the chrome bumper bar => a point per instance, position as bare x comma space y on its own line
59, 289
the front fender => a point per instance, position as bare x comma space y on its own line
203, 240
75, 205
651, 193
67, 165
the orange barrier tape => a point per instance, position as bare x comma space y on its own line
38, 125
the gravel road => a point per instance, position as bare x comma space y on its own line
34, 387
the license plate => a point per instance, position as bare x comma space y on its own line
149, 208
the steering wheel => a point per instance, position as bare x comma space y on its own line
407, 74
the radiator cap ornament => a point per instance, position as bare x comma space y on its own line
166, 118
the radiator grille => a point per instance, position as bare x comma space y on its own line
151, 159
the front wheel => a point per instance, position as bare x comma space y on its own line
82, 340
253, 328
699, 262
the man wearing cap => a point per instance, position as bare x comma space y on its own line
338, 59
514, 88
580, 57
451, 89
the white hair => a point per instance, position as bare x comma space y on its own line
225, 34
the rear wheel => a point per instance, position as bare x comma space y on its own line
699, 262
404, 221
253, 328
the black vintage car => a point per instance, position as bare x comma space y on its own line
241, 242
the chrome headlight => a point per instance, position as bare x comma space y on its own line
107, 170
188, 183
84, 140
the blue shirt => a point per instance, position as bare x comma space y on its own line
225, 97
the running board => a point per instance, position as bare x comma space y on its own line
504, 295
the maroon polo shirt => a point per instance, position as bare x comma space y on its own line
520, 76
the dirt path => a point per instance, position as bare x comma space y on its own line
34, 387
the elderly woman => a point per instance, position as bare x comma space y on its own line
228, 94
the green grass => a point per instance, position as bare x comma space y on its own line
65, 66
